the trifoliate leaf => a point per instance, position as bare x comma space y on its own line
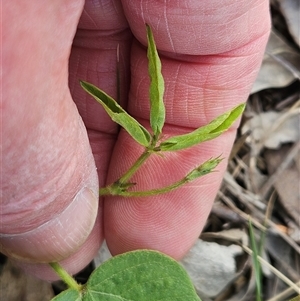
142, 275
210, 131
157, 86
118, 114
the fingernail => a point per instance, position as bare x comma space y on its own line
73, 264
59, 237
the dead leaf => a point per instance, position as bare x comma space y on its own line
271, 129
275, 73
287, 182
211, 266
291, 11
232, 235
283, 256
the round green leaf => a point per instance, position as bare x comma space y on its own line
140, 276
69, 295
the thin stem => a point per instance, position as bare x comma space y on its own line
132, 170
282, 277
118, 188
154, 191
65, 276
104, 191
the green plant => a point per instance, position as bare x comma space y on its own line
144, 274
257, 266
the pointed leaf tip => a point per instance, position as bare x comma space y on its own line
118, 114
208, 132
204, 169
157, 86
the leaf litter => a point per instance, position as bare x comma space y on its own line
263, 175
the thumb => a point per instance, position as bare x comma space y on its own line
49, 183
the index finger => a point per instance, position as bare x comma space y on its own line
210, 57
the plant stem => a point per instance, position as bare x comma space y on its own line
152, 192
65, 276
120, 186
132, 170
104, 191
155, 191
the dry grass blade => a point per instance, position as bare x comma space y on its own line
285, 294
259, 224
286, 280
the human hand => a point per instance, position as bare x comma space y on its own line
210, 57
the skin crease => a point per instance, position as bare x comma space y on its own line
210, 57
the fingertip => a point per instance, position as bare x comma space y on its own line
74, 263
60, 236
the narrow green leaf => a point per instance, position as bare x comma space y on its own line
233, 115
69, 295
157, 86
257, 267
142, 275
210, 131
204, 169
118, 114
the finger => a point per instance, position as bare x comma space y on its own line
100, 51
210, 58
74, 263
49, 196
